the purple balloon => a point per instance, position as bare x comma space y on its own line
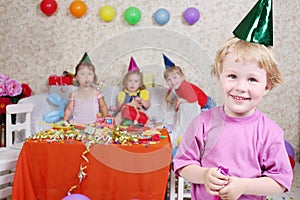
191, 15
289, 149
76, 197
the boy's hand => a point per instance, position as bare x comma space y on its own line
233, 190
214, 181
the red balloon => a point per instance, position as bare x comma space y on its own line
292, 161
48, 7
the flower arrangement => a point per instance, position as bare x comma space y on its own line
11, 91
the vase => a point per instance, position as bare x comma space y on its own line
2, 130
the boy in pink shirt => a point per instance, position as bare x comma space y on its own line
237, 136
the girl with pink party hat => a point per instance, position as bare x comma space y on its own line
134, 99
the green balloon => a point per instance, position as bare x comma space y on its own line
132, 15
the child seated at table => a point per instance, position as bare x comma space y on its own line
134, 99
86, 101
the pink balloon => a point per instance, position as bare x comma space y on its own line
76, 197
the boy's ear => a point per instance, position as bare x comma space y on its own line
267, 89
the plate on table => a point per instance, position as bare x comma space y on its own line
59, 127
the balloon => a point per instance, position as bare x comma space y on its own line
55, 99
162, 16
76, 197
191, 15
78, 8
55, 115
289, 149
107, 13
174, 151
132, 15
179, 139
292, 161
48, 7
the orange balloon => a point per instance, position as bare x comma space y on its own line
78, 8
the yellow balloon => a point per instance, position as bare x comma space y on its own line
179, 139
107, 13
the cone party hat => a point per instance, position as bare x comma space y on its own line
257, 26
85, 58
168, 62
133, 66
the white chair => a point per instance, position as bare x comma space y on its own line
41, 106
178, 193
8, 161
9, 154
13, 129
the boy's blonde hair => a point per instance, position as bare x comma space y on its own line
173, 69
246, 51
125, 80
89, 66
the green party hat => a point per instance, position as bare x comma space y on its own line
86, 58
257, 26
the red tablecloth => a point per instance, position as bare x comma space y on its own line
47, 171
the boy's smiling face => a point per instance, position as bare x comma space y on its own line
242, 86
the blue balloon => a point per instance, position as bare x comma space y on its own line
162, 16
55, 115
55, 99
191, 15
174, 151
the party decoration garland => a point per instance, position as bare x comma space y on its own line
81, 174
64, 132
132, 15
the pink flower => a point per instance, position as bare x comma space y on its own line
2, 91
3, 79
11, 91
13, 87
